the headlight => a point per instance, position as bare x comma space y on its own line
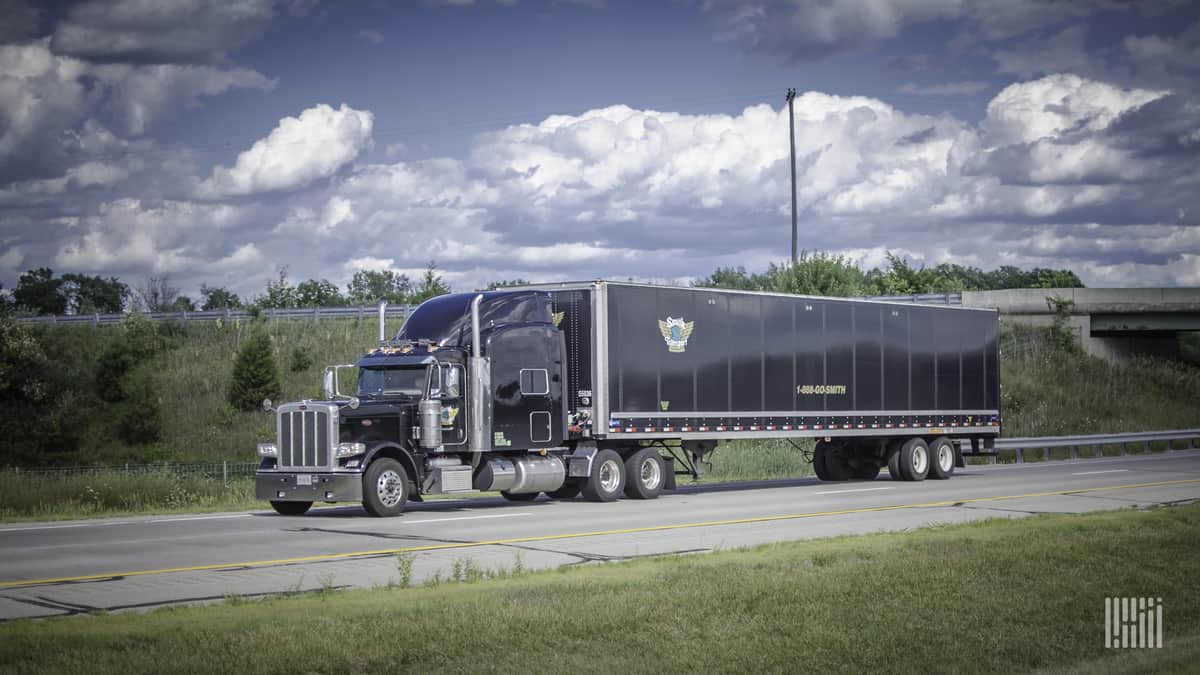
350, 449
268, 450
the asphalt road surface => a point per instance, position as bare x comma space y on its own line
74, 567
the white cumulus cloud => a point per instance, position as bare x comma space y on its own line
300, 150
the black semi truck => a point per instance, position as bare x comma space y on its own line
607, 389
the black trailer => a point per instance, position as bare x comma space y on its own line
699, 365
600, 388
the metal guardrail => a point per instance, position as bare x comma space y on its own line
954, 298
210, 471
271, 314
1096, 442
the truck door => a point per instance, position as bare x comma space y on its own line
527, 387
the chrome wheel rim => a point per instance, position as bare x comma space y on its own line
389, 488
945, 457
610, 476
920, 460
651, 475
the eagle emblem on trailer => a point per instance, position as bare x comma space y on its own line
676, 332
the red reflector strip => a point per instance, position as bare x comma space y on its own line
685, 428
668, 429
631, 430
703, 428
649, 429
815, 426
770, 427
737, 428
720, 428
616, 430
798, 426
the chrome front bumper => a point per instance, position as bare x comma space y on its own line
322, 486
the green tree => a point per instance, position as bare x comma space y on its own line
816, 273
730, 277
368, 287
431, 286
323, 293
39, 292
507, 283
255, 372
94, 294
218, 297
280, 294
140, 418
183, 304
137, 341
158, 295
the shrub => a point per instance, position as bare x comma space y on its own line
255, 373
301, 360
140, 420
138, 340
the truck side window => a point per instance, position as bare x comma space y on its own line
453, 386
535, 382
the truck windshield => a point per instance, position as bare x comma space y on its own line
375, 382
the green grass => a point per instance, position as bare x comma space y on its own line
1048, 392
995, 596
32, 497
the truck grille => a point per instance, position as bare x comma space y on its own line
304, 437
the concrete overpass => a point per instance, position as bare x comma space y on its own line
1112, 323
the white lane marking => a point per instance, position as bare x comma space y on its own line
176, 520
1092, 473
42, 527
842, 492
446, 520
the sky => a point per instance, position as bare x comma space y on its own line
218, 143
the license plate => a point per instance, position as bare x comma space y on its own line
304, 479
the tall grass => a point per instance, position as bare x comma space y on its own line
26, 496
1049, 391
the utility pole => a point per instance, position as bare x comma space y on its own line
791, 96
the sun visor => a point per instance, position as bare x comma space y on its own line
387, 358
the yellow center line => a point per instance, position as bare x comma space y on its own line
327, 557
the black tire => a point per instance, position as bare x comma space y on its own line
519, 496
941, 459
819, 469
893, 459
607, 479
836, 460
385, 488
866, 470
644, 474
291, 508
914, 459
569, 490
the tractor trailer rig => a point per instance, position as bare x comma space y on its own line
604, 388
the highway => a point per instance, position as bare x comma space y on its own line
58, 568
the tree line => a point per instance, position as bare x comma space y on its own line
40, 292
816, 273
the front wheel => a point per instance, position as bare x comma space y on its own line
607, 479
291, 508
644, 474
385, 488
